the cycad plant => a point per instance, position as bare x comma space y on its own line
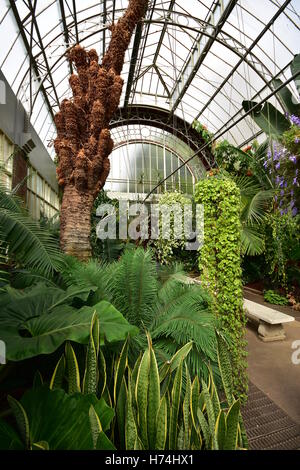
27, 244
158, 299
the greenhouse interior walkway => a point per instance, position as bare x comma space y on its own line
272, 414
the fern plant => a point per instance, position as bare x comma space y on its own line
155, 298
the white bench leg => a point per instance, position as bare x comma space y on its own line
268, 332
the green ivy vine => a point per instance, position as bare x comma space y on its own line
220, 265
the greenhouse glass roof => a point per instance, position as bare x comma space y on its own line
190, 59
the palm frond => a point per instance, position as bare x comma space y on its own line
256, 208
252, 240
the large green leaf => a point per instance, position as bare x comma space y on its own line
268, 118
27, 337
62, 420
295, 68
287, 98
9, 438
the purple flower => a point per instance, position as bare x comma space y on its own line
275, 198
293, 159
292, 204
297, 140
292, 192
277, 166
282, 192
295, 182
294, 211
295, 120
281, 184
277, 179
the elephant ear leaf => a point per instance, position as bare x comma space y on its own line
62, 420
9, 438
21, 419
268, 118
287, 98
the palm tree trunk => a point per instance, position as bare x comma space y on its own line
76, 223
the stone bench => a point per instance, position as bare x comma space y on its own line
270, 321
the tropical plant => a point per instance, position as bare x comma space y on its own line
150, 407
160, 299
38, 319
27, 244
220, 265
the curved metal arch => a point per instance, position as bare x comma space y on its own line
155, 21
158, 144
158, 117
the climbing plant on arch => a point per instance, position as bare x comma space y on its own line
219, 263
83, 142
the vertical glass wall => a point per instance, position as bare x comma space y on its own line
6, 160
41, 198
137, 167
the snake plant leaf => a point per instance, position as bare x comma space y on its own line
130, 424
102, 373
42, 445
161, 425
90, 379
204, 428
268, 118
95, 424
232, 422
120, 370
73, 373
37, 380
153, 398
141, 396
174, 410
295, 68
186, 407
121, 412
58, 374
9, 438
195, 401
180, 355
287, 98
209, 411
63, 420
220, 431
21, 419
27, 335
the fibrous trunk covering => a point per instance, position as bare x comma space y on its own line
83, 142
